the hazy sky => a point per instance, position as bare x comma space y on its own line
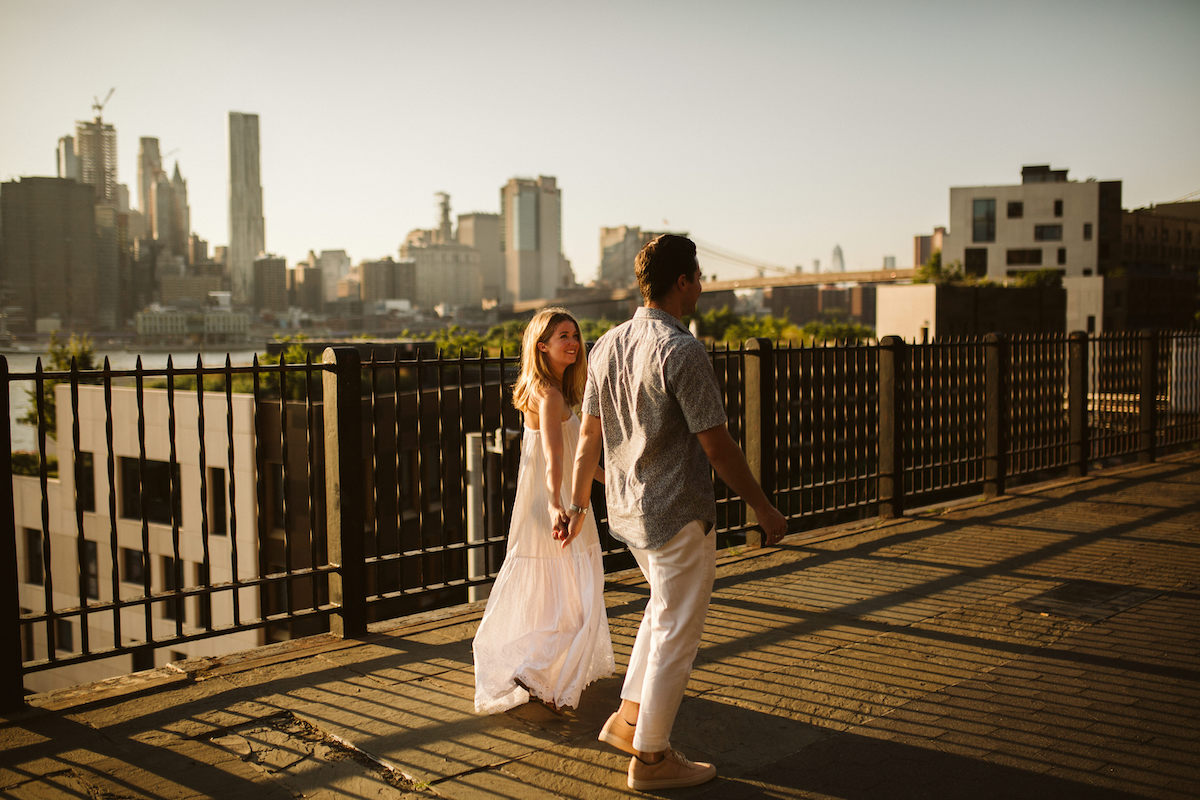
771, 129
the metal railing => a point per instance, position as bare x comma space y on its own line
164, 509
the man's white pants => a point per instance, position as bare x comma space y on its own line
681, 578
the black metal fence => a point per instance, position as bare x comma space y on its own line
165, 511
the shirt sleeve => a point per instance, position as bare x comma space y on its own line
591, 396
690, 379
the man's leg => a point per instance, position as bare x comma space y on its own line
681, 578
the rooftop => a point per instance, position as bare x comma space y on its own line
1042, 644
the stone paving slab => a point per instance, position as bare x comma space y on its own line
911, 658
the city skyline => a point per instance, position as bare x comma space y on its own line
771, 130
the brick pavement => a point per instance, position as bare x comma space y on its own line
1043, 645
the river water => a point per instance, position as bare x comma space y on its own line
24, 437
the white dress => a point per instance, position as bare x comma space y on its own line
545, 624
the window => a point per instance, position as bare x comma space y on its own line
1087, 231
1025, 258
174, 607
217, 515
34, 573
143, 658
91, 571
1047, 233
204, 601
1016, 209
983, 219
133, 568
156, 490
1058, 208
1091, 323
1087, 272
1062, 255
975, 261
64, 635
85, 482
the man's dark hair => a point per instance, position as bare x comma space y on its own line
660, 263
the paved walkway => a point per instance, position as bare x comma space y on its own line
1044, 645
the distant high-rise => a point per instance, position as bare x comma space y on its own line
96, 148
149, 168
619, 247
837, 263
386, 279
533, 262
181, 214
247, 237
48, 254
269, 284
334, 265
889, 262
68, 162
447, 272
482, 232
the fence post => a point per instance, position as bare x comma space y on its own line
12, 689
760, 424
1148, 399
893, 367
344, 482
995, 429
1077, 403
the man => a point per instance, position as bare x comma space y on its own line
653, 400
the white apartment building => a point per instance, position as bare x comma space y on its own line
1045, 222
95, 573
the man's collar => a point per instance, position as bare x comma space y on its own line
645, 312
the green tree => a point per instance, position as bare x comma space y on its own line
1039, 277
837, 332
936, 272
58, 359
713, 323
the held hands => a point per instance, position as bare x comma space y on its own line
573, 528
559, 519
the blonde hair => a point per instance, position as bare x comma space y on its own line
535, 376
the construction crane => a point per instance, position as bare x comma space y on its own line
98, 105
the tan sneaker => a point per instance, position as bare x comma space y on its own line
618, 733
673, 772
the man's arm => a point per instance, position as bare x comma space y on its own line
730, 465
587, 458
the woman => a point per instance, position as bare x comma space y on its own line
545, 630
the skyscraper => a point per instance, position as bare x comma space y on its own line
334, 265
96, 149
48, 255
246, 227
838, 263
268, 290
149, 166
533, 262
181, 214
482, 232
446, 272
68, 162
